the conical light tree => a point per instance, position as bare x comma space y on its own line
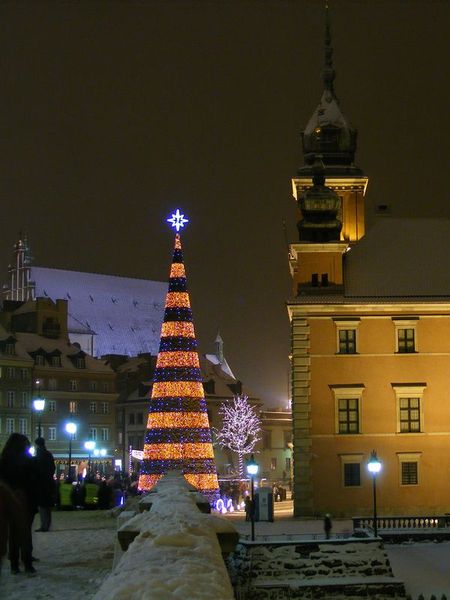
178, 431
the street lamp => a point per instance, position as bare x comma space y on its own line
374, 467
90, 445
252, 470
100, 452
71, 429
39, 405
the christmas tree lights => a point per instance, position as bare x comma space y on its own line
178, 432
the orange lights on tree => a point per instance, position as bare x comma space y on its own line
177, 270
177, 300
203, 481
178, 359
166, 420
177, 451
176, 389
178, 329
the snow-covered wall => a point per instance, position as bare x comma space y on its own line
176, 554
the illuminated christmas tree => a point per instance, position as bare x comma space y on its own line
178, 432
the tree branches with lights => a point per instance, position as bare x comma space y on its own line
241, 427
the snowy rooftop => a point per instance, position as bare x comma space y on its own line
125, 313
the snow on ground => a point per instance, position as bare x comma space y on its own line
74, 558
423, 566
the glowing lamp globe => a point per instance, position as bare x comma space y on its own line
374, 465
71, 428
89, 446
252, 466
39, 404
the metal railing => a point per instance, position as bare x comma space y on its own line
403, 522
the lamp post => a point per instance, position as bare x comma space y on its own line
71, 429
39, 405
90, 445
252, 470
374, 467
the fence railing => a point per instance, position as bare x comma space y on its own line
403, 522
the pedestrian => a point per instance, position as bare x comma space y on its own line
248, 508
18, 470
105, 495
46, 483
9, 512
327, 525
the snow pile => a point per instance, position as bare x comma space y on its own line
175, 555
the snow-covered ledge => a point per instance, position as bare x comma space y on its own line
176, 553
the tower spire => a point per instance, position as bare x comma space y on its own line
328, 72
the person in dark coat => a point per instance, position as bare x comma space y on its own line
9, 516
105, 495
18, 470
46, 483
327, 525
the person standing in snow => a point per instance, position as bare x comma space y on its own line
18, 470
46, 483
327, 526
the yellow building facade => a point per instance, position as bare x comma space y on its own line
370, 339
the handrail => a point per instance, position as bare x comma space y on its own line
403, 522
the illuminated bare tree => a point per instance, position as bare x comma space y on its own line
240, 430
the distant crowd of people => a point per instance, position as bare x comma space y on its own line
28, 486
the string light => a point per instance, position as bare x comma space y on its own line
178, 432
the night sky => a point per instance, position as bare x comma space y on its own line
113, 114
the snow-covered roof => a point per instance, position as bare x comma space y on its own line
400, 258
125, 313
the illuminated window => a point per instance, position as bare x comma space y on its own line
348, 417
405, 335
104, 434
348, 402
409, 398
73, 406
409, 415
346, 332
10, 426
273, 464
52, 405
52, 434
10, 398
93, 433
23, 426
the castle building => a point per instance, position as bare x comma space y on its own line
370, 325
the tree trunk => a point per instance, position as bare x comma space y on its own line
241, 465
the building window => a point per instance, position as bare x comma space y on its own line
352, 474
348, 402
409, 415
93, 386
409, 397
267, 438
406, 340
105, 434
348, 415
10, 398
273, 464
131, 419
23, 426
73, 385
10, 348
10, 426
39, 360
80, 362
73, 407
24, 400
105, 408
346, 336
105, 386
52, 405
139, 418
93, 407
288, 464
55, 361
120, 437
11, 373
24, 374
409, 473
93, 433
53, 384
347, 341
405, 335
287, 436
52, 434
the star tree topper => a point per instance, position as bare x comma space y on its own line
177, 220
